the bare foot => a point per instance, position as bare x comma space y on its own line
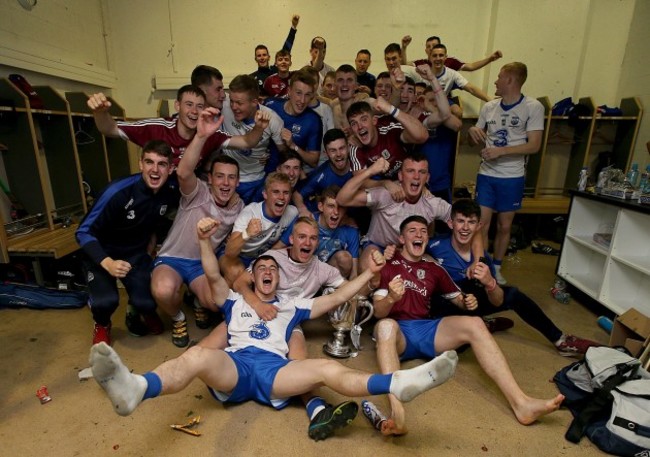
533, 408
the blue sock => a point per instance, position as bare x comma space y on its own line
315, 405
154, 385
496, 262
379, 383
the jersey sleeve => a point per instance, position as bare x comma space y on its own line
242, 220
135, 132
536, 119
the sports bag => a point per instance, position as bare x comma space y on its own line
608, 394
23, 296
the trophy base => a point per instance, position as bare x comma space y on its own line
339, 351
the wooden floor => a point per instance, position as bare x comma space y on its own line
465, 417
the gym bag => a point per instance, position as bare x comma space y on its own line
608, 394
22, 296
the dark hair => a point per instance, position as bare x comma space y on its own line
416, 156
313, 40
410, 219
431, 38
383, 75
261, 46
303, 77
346, 68
440, 46
264, 257
222, 158
329, 192
245, 84
364, 51
393, 47
410, 81
287, 155
282, 53
189, 89
159, 147
204, 74
333, 135
466, 207
358, 108
423, 85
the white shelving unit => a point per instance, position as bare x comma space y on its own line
617, 276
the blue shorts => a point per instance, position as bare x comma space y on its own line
256, 371
367, 243
248, 190
188, 269
420, 336
500, 194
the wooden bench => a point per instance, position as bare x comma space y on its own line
55, 243
545, 205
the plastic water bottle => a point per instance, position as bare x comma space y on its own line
605, 323
582, 181
561, 295
644, 185
633, 175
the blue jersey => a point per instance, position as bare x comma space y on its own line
342, 238
321, 178
443, 252
306, 128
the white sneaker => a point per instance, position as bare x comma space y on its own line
499, 277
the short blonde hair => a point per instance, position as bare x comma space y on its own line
518, 70
276, 176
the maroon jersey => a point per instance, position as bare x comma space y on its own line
389, 146
140, 132
422, 280
276, 86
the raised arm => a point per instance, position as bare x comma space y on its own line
351, 194
99, 104
347, 290
476, 92
406, 40
253, 136
288, 43
205, 228
442, 112
473, 66
414, 132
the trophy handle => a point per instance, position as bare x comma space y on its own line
370, 310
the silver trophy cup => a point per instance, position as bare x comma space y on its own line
347, 320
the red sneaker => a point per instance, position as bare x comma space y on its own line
102, 333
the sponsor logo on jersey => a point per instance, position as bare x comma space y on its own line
246, 314
130, 202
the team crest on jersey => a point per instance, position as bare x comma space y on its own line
514, 121
259, 331
385, 154
420, 273
295, 129
163, 210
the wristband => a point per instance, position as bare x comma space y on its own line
492, 286
394, 112
296, 148
244, 235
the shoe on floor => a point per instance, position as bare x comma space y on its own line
541, 248
572, 346
498, 324
331, 418
153, 323
101, 334
180, 336
373, 414
134, 324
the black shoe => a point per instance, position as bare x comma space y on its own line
498, 324
180, 336
332, 418
202, 316
134, 324
541, 248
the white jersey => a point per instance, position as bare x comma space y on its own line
303, 280
272, 229
509, 126
251, 161
450, 79
387, 215
411, 72
182, 240
246, 329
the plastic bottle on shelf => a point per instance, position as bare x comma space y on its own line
582, 181
644, 184
633, 175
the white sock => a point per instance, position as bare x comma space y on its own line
408, 384
180, 316
124, 388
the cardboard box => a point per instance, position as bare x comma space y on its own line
632, 330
